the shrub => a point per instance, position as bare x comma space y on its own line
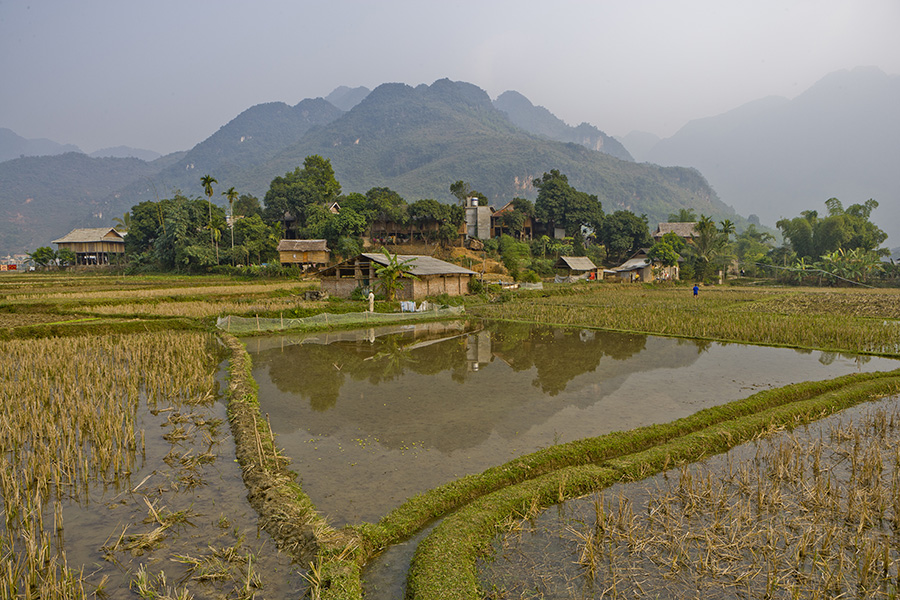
529, 276
360, 294
491, 246
542, 266
512, 265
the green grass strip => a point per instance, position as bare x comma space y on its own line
444, 564
83, 320
98, 327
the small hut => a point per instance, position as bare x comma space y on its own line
432, 276
577, 267
635, 269
303, 253
641, 268
93, 246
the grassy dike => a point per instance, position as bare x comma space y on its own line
286, 512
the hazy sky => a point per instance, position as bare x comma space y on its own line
165, 74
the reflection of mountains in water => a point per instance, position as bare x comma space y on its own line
451, 389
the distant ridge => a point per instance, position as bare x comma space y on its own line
639, 143
12, 145
777, 157
126, 152
540, 121
346, 98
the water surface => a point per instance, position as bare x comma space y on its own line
372, 417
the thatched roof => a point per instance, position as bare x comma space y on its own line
95, 234
302, 246
575, 263
684, 230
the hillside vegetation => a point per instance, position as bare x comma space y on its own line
416, 141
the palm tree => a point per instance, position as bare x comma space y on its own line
390, 273
207, 182
727, 228
122, 223
709, 244
231, 195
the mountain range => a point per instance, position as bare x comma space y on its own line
773, 158
12, 145
776, 157
415, 140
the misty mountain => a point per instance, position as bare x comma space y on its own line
13, 146
346, 98
126, 152
777, 157
540, 121
416, 141
43, 198
639, 143
249, 140
419, 140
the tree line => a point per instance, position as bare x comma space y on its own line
192, 233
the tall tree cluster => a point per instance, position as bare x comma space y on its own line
561, 205
812, 236
300, 202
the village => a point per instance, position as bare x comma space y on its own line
426, 274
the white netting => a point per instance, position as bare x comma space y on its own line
239, 325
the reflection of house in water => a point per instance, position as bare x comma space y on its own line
421, 383
478, 349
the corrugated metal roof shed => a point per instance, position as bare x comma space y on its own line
633, 263
575, 263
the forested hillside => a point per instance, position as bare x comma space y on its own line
43, 198
540, 121
244, 143
416, 141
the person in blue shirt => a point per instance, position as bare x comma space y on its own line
696, 290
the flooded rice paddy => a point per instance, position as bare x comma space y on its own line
811, 513
119, 478
372, 417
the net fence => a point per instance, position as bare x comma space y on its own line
239, 325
